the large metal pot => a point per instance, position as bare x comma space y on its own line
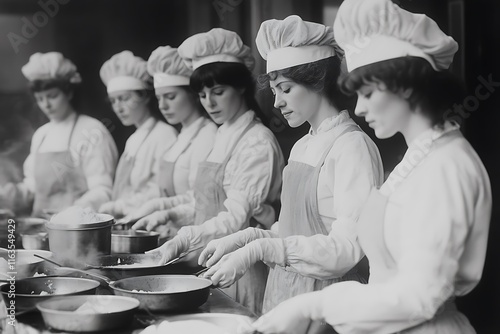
159, 293
78, 243
26, 293
59, 313
132, 241
33, 232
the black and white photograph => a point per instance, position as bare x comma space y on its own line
249, 166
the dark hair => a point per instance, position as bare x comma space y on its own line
152, 103
194, 96
236, 75
320, 77
433, 91
41, 85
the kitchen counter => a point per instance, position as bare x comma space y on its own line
218, 302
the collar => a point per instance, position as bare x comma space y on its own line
331, 122
241, 122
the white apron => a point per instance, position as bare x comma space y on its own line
299, 215
56, 188
209, 201
448, 320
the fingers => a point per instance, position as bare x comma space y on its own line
141, 224
206, 254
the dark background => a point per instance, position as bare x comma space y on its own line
90, 31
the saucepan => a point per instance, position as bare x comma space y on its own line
132, 241
88, 313
26, 293
160, 293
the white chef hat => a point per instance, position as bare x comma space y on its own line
50, 66
216, 45
124, 71
292, 41
168, 68
375, 30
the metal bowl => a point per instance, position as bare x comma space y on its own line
132, 241
23, 262
26, 293
158, 293
111, 312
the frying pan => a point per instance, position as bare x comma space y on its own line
27, 291
160, 293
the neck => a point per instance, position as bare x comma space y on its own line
243, 108
69, 112
190, 119
415, 126
143, 119
325, 111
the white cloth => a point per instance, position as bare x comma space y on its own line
376, 30
436, 229
292, 41
92, 148
168, 68
148, 152
252, 180
124, 71
186, 163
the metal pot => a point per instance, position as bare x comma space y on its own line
165, 292
131, 241
76, 243
26, 293
59, 313
35, 241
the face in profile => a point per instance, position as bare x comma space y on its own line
385, 112
222, 102
129, 106
175, 104
54, 103
297, 103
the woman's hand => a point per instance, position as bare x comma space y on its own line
152, 221
146, 209
289, 317
110, 208
216, 249
171, 249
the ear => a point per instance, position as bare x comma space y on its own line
406, 93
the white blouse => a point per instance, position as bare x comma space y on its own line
147, 145
252, 179
92, 148
186, 163
436, 230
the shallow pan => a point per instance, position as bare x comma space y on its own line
26, 293
160, 293
25, 264
103, 312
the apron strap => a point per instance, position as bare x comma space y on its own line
230, 153
336, 135
145, 137
70, 134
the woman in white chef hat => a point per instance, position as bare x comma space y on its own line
179, 105
329, 174
129, 89
73, 157
425, 231
240, 182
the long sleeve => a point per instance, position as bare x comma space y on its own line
254, 170
351, 170
98, 156
436, 228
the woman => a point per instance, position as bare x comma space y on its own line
330, 172
425, 231
73, 157
129, 91
179, 105
240, 181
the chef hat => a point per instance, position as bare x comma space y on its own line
168, 68
50, 66
124, 71
292, 41
375, 30
216, 45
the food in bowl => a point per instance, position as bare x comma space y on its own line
75, 215
184, 327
